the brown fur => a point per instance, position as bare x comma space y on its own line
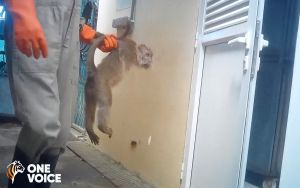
107, 74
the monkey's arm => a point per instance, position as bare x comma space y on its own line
87, 34
90, 109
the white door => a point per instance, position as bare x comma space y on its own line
231, 39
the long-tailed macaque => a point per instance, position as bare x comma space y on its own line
107, 74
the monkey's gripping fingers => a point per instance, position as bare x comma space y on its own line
110, 43
93, 137
109, 132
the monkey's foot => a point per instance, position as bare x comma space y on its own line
106, 130
93, 137
109, 132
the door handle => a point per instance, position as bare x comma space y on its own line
263, 43
242, 40
238, 40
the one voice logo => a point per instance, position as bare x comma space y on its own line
13, 169
39, 173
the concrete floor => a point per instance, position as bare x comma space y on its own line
76, 173
80, 167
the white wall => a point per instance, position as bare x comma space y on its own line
290, 172
153, 102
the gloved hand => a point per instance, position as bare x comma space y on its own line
110, 43
29, 35
87, 34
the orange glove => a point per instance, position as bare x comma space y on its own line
110, 43
87, 34
29, 35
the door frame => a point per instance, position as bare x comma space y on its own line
290, 167
194, 102
195, 92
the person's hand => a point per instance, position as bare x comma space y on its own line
29, 35
87, 34
109, 43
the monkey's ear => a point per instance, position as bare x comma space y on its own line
143, 47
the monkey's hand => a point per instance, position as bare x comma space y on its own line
93, 137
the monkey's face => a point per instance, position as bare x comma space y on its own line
144, 55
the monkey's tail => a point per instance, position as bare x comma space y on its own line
126, 32
91, 67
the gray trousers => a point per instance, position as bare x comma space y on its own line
43, 89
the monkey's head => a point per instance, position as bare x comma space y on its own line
144, 56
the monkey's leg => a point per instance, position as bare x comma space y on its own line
90, 110
103, 115
104, 104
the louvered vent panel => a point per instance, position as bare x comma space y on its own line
221, 14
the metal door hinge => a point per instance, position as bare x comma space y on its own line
196, 41
181, 173
260, 43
